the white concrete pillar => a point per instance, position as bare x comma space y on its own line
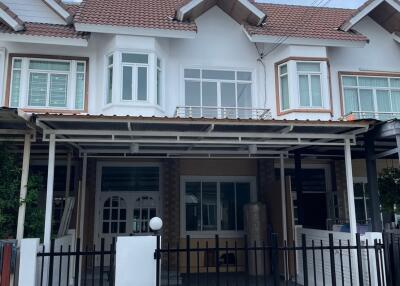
68, 175
350, 190
49, 192
24, 187
135, 263
28, 261
283, 198
83, 198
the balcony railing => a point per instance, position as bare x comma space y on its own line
222, 112
378, 115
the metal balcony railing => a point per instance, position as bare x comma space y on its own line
378, 115
222, 112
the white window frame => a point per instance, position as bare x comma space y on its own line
309, 74
109, 67
389, 89
71, 83
135, 67
215, 179
236, 81
294, 86
159, 81
364, 181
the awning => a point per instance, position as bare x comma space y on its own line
15, 124
100, 135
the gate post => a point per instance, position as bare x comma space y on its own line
135, 263
28, 261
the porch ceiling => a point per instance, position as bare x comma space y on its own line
171, 137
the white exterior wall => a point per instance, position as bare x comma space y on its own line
34, 11
220, 43
381, 54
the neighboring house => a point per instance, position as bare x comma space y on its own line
188, 110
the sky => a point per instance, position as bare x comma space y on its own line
327, 3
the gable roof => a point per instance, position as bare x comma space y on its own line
294, 21
9, 18
384, 12
125, 16
240, 10
60, 9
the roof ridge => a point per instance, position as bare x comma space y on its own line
304, 6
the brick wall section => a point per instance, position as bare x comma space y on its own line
171, 201
340, 171
265, 175
90, 202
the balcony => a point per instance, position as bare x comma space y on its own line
223, 112
378, 115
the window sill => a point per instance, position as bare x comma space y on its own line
134, 105
305, 110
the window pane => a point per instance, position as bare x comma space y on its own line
373, 81
366, 100
15, 88
135, 58
49, 65
351, 100
192, 93
209, 206
142, 83
80, 67
37, 89
80, 90
109, 84
304, 91
383, 100
193, 203
17, 64
110, 60
283, 69
228, 94
228, 206
242, 198
130, 179
360, 210
191, 73
395, 82
308, 67
209, 99
316, 90
244, 76
285, 92
127, 83
349, 81
58, 90
396, 101
217, 74
158, 86
244, 100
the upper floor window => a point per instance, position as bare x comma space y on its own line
135, 76
47, 83
303, 86
218, 93
371, 96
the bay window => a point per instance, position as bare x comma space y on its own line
47, 83
218, 93
134, 76
371, 96
215, 205
303, 86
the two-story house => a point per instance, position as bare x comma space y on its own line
190, 110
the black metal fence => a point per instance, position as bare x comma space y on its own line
229, 262
66, 265
392, 250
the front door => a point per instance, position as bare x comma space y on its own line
127, 198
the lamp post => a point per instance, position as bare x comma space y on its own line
156, 224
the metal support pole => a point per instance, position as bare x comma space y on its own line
372, 183
68, 175
23, 189
350, 190
83, 197
398, 145
283, 198
49, 192
299, 187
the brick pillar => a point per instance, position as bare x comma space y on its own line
171, 201
90, 201
265, 175
341, 186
